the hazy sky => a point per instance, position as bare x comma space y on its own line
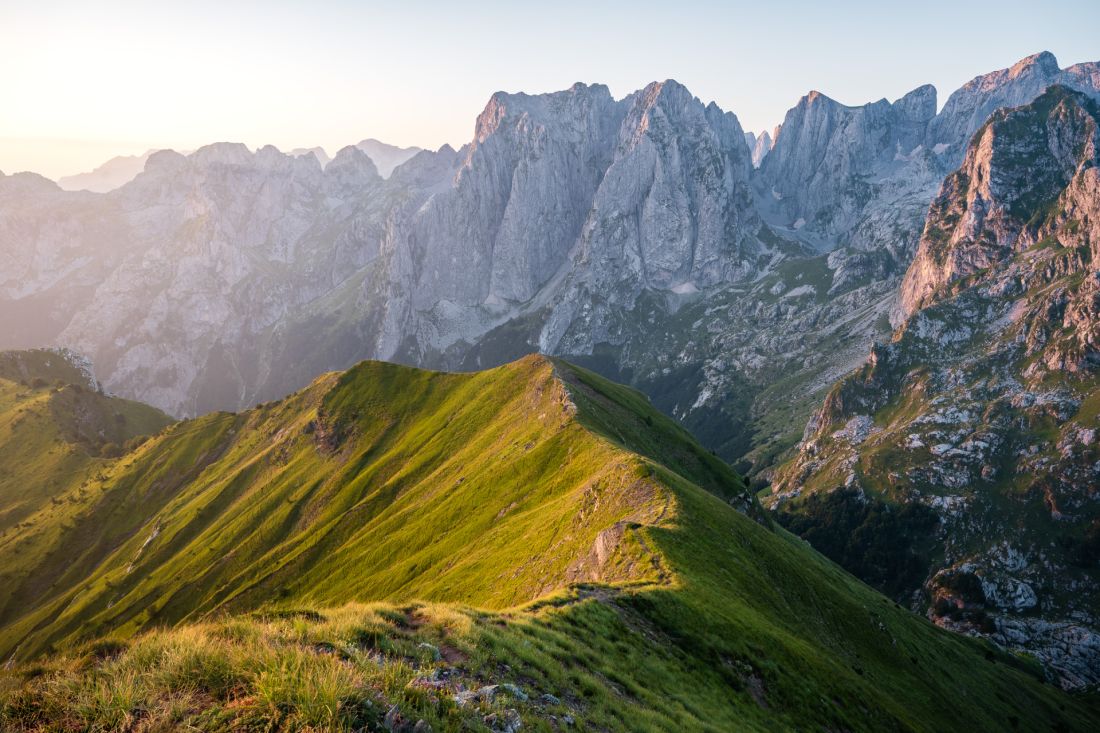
83, 81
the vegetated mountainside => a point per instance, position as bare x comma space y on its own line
634, 235
57, 429
624, 577
373, 484
980, 416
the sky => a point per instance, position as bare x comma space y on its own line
83, 81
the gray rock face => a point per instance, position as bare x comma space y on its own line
673, 207
981, 401
651, 186
519, 199
1084, 77
673, 214
820, 169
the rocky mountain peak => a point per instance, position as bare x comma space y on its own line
222, 154
918, 105
665, 111
386, 157
1084, 77
270, 157
672, 210
26, 183
515, 109
1043, 63
230, 159
317, 152
516, 205
969, 106
164, 161
816, 173
1016, 166
427, 169
760, 146
814, 96
114, 173
351, 172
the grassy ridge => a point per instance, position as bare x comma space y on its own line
384, 482
534, 525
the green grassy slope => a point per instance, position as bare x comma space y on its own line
595, 538
383, 482
56, 431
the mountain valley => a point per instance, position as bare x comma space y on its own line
617, 417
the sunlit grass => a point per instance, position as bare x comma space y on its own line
582, 556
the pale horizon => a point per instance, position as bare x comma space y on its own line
123, 78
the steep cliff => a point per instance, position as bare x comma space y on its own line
983, 407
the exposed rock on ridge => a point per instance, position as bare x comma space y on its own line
1012, 166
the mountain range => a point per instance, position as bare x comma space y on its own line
122, 169
737, 280
572, 223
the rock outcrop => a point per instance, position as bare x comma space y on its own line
982, 407
821, 172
